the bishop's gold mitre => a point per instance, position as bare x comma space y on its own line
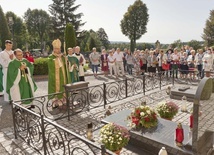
56, 43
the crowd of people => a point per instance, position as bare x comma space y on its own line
186, 61
16, 67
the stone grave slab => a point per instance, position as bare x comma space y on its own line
162, 135
179, 92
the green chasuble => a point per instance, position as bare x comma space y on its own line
57, 75
74, 72
1, 79
20, 84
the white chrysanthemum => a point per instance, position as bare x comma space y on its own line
148, 112
141, 107
142, 114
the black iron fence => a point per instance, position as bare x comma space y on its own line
49, 138
34, 122
82, 99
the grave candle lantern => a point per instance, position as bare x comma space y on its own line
191, 121
184, 104
162, 151
89, 131
179, 135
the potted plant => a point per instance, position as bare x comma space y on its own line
143, 116
114, 137
167, 110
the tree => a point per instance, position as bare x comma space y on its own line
38, 25
4, 30
19, 31
134, 22
177, 44
85, 41
208, 35
62, 13
195, 44
70, 36
103, 37
92, 43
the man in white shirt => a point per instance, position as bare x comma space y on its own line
119, 61
6, 57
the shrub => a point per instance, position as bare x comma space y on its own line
86, 67
41, 66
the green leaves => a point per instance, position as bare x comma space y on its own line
70, 36
134, 22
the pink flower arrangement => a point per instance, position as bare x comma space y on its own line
167, 109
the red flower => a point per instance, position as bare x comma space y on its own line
147, 119
137, 112
135, 120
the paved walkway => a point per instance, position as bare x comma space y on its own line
6, 122
17, 147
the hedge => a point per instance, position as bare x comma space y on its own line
41, 66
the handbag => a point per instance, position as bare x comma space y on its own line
165, 66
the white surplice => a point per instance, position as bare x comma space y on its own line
5, 60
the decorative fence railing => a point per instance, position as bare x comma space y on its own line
82, 99
49, 138
34, 122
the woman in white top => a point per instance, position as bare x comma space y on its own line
161, 59
111, 64
207, 62
191, 60
151, 63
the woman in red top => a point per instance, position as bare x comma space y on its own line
29, 57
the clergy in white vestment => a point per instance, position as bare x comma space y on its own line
6, 57
82, 62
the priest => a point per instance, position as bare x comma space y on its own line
6, 57
20, 83
57, 72
82, 62
73, 66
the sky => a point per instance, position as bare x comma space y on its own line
169, 20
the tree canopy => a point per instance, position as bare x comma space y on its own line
103, 37
134, 22
62, 13
38, 24
19, 30
4, 30
208, 35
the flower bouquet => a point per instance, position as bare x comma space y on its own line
167, 110
143, 116
114, 137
